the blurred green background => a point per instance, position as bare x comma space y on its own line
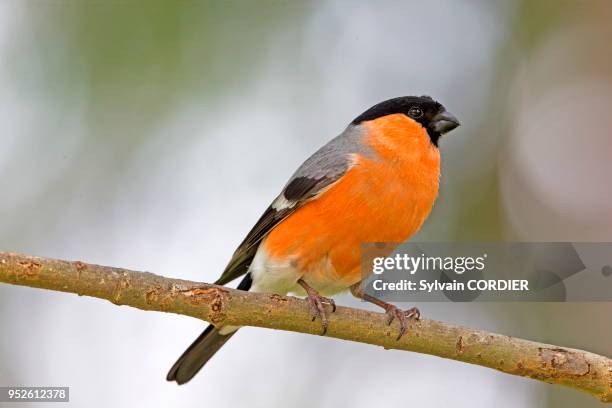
152, 134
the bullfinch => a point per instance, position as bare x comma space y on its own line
375, 182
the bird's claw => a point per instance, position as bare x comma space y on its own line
402, 316
317, 308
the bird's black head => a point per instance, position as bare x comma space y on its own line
423, 109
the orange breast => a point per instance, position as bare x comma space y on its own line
384, 198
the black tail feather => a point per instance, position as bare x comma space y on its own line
202, 349
198, 354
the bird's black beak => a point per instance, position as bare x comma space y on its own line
444, 122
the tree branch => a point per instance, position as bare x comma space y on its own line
582, 370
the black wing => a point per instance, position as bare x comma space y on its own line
297, 192
317, 173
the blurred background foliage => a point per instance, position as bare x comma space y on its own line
151, 134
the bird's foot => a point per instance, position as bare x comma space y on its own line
402, 316
317, 305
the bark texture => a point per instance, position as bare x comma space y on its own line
582, 370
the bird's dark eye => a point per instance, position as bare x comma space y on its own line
415, 112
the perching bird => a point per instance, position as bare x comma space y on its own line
375, 182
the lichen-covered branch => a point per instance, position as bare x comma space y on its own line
582, 370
